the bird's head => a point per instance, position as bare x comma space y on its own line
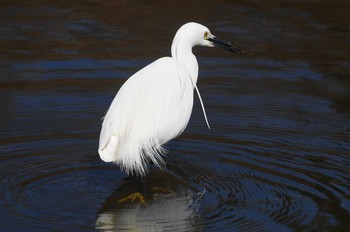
195, 34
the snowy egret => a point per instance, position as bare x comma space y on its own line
155, 104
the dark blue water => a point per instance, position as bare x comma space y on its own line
276, 159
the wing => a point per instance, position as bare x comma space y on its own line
146, 112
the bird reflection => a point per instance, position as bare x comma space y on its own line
171, 204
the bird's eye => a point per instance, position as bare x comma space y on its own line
206, 35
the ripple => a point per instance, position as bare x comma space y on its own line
261, 186
42, 186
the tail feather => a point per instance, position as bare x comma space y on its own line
108, 152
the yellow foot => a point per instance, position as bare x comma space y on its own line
132, 197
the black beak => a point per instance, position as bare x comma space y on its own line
228, 46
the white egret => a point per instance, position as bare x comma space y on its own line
154, 105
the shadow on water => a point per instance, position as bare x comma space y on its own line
277, 156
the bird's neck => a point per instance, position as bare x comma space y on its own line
182, 53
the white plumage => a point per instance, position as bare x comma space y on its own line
154, 105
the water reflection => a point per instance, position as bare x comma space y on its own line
171, 205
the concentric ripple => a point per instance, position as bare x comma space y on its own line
253, 186
39, 186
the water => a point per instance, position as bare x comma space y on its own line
277, 157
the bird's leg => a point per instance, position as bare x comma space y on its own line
138, 195
132, 197
140, 180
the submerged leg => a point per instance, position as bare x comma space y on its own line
132, 197
140, 181
138, 195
